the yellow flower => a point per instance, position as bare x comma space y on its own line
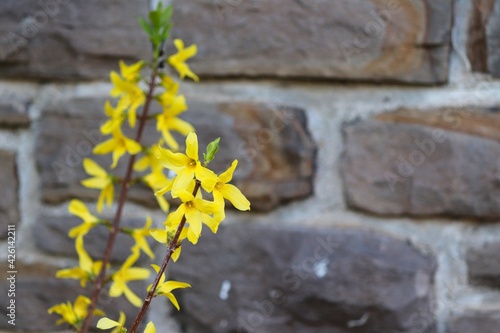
149, 160
165, 288
197, 212
119, 144
164, 236
101, 180
116, 118
173, 105
150, 328
126, 87
186, 166
178, 60
73, 314
221, 189
159, 183
131, 73
139, 236
87, 270
168, 121
78, 208
106, 323
125, 274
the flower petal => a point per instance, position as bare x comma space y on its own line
233, 194
78, 208
95, 182
160, 236
93, 169
84, 259
183, 180
150, 328
182, 126
227, 175
132, 146
171, 285
105, 147
172, 299
106, 323
171, 160
117, 154
192, 146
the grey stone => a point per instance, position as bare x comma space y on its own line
13, 114
51, 236
441, 162
61, 39
474, 320
403, 41
262, 279
275, 151
483, 264
9, 191
63, 141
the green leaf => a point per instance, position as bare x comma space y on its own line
146, 27
155, 18
212, 149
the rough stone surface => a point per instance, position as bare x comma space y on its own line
13, 114
260, 279
61, 39
66, 134
484, 41
441, 162
404, 41
484, 321
275, 151
483, 264
37, 289
9, 210
51, 236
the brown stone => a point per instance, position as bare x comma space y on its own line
264, 279
483, 264
403, 41
483, 44
61, 39
9, 191
13, 114
37, 289
440, 162
474, 320
276, 153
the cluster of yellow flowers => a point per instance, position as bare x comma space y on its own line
191, 181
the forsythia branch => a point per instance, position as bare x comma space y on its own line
173, 245
98, 285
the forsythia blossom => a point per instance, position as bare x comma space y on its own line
222, 190
101, 180
87, 269
165, 288
178, 60
186, 166
78, 208
126, 87
125, 274
73, 314
118, 145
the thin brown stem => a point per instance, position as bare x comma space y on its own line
115, 229
172, 246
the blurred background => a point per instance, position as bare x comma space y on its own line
368, 137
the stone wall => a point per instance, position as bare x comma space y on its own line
369, 146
